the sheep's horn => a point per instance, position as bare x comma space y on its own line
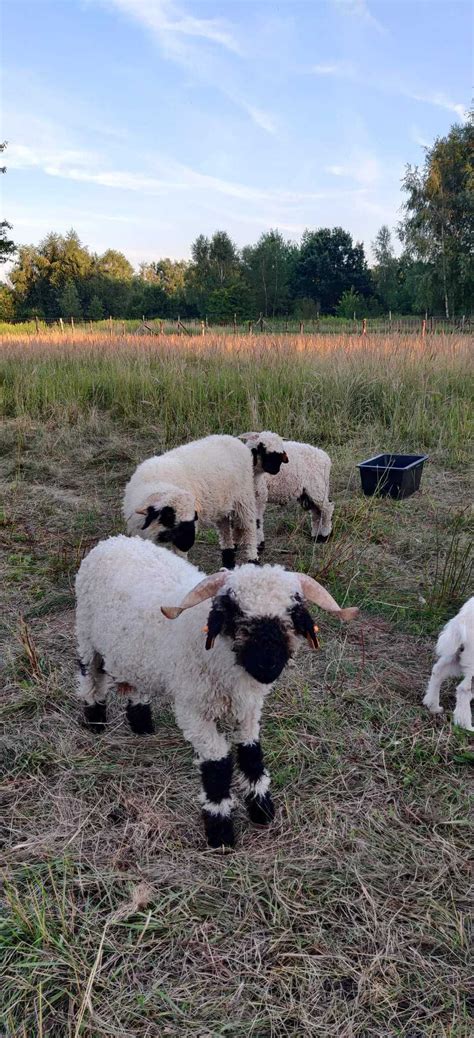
315, 592
141, 511
207, 588
246, 437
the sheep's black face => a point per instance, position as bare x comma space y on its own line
262, 648
262, 645
181, 535
271, 461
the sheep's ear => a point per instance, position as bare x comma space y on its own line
304, 626
255, 455
215, 622
285, 459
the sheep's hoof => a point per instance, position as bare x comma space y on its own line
219, 831
140, 718
322, 538
433, 709
261, 809
95, 716
228, 558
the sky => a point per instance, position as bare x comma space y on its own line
143, 123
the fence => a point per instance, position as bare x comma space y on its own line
156, 325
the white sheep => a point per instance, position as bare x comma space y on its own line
455, 649
210, 480
305, 479
125, 589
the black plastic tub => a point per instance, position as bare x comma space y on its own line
392, 475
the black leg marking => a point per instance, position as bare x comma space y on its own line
228, 558
322, 538
216, 776
140, 718
254, 562
260, 806
258, 524
95, 716
261, 547
219, 831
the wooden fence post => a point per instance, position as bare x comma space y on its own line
110, 326
261, 322
250, 327
364, 326
301, 327
72, 324
235, 324
203, 328
36, 324
286, 323
61, 322
161, 327
423, 328
123, 327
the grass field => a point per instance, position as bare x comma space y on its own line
349, 917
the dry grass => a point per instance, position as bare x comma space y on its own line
349, 917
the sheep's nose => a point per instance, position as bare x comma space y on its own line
184, 536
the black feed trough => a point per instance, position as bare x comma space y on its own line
392, 475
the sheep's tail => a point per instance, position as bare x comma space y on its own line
451, 638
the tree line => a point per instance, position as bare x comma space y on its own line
326, 272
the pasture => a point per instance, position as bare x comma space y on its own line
349, 916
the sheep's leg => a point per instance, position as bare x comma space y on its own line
245, 535
462, 711
256, 779
261, 497
138, 709
226, 542
92, 691
443, 668
215, 764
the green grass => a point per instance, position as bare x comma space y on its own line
349, 916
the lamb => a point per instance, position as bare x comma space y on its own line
209, 479
125, 591
455, 651
306, 480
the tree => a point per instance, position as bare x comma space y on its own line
268, 267
351, 304
95, 310
215, 264
7, 303
7, 246
385, 272
69, 302
114, 264
438, 225
328, 265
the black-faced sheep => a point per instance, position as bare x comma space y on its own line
127, 591
304, 479
210, 480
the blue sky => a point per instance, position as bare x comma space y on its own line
142, 123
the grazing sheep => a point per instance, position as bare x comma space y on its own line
124, 590
455, 649
305, 479
209, 479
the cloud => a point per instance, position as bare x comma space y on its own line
170, 177
359, 9
437, 98
173, 27
180, 35
345, 70
339, 69
363, 168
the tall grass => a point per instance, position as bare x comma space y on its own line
386, 392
